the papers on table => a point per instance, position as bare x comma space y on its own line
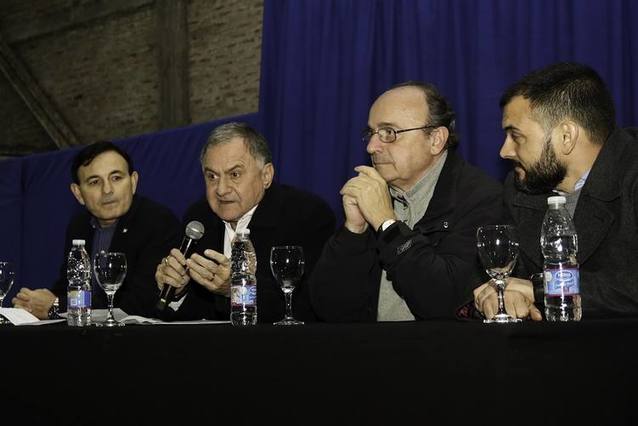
99, 315
21, 317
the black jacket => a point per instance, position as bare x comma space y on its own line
285, 216
433, 267
144, 234
606, 220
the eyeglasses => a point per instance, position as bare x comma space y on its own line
388, 134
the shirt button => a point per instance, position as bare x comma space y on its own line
445, 225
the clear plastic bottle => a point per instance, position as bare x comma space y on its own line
559, 244
78, 274
243, 280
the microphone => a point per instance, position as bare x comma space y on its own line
194, 231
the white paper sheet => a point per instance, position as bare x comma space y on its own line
21, 317
99, 315
18, 316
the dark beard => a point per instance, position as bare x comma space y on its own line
543, 176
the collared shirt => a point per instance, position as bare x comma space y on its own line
571, 198
242, 224
409, 207
229, 234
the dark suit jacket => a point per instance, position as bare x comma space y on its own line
285, 216
144, 234
433, 267
606, 219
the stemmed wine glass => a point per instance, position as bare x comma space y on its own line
7, 274
110, 270
498, 250
286, 264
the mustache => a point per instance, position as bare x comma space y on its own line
519, 165
541, 177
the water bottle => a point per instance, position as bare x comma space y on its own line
243, 280
559, 244
78, 273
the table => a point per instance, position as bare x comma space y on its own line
431, 372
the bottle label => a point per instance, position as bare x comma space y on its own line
562, 282
243, 295
78, 299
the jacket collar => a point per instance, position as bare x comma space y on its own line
593, 216
126, 221
267, 213
604, 181
443, 200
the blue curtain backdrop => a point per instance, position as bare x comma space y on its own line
324, 62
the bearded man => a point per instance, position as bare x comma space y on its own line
561, 134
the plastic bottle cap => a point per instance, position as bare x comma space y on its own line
79, 242
557, 199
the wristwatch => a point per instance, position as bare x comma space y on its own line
385, 225
53, 310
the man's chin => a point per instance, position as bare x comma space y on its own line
107, 219
532, 188
386, 171
228, 212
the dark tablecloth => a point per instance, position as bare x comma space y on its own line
433, 372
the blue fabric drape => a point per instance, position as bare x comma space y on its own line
10, 210
324, 62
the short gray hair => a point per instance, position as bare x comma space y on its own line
254, 141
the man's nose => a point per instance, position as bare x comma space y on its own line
107, 188
507, 151
374, 144
222, 186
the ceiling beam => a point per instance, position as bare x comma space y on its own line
172, 36
38, 103
69, 17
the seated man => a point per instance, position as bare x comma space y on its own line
238, 172
407, 249
560, 132
115, 220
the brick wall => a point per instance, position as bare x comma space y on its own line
20, 133
225, 45
102, 73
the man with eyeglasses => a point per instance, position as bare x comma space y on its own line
407, 248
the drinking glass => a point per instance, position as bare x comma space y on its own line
286, 264
7, 275
498, 250
110, 270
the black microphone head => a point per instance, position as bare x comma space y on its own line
194, 230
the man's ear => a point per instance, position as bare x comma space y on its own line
568, 136
267, 174
75, 189
439, 140
134, 179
